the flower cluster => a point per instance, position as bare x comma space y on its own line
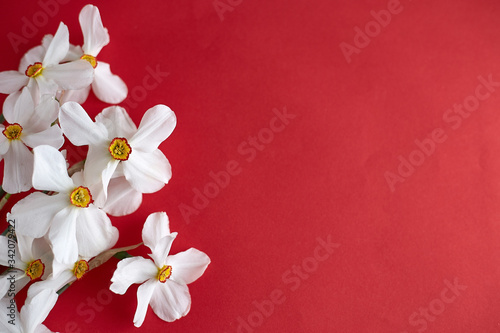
63, 228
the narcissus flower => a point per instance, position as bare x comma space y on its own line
28, 259
73, 224
164, 279
107, 86
118, 148
27, 126
62, 275
33, 313
45, 75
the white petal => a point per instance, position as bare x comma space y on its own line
132, 270
144, 294
50, 171
4, 253
188, 266
4, 143
162, 248
5, 326
42, 86
58, 269
39, 249
34, 213
46, 112
58, 47
52, 283
99, 168
171, 301
107, 86
46, 40
95, 36
122, 198
18, 277
117, 121
18, 168
22, 110
155, 228
62, 236
72, 75
10, 102
33, 55
156, 125
24, 245
42, 329
52, 136
147, 172
37, 308
93, 231
75, 52
12, 81
42, 117
78, 127
79, 96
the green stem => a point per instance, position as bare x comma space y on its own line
60, 291
122, 255
4, 200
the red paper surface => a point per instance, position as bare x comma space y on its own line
369, 87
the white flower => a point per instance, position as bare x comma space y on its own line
27, 126
122, 199
164, 279
28, 259
63, 274
118, 148
107, 86
45, 74
66, 273
74, 224
33, 313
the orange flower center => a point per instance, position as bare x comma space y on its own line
34, 70
120, 149
13, 132
91, 59
35, 269
81, 267
164, 273
81, 197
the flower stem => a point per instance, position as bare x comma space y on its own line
122, 255
4, 200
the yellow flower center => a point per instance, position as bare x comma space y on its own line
81, 197
91, 59
35, 269
120, 149
164, 273
81, 267
34, 70
13, 132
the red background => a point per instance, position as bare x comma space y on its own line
322, 175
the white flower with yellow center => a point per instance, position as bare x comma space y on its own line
33, 313
63, 274
73, 224
117, 148
164, 279
107, 86
45, 75
27, 127
28, 259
